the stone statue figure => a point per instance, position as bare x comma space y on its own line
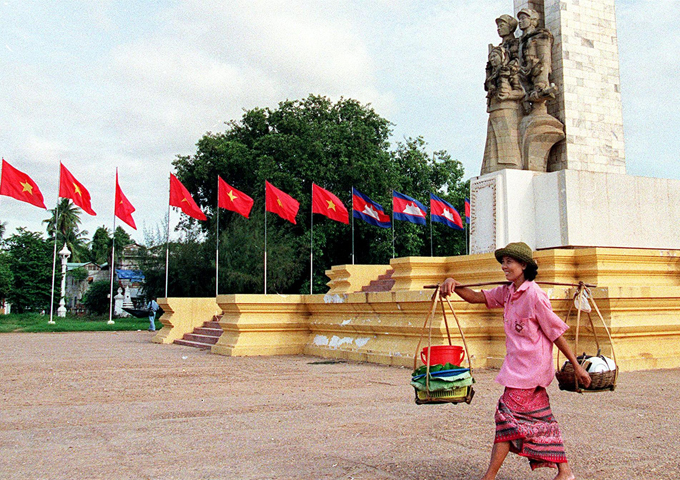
520, 132
504, 94
535, 53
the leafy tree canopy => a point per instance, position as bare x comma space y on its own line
30, 264
66, 217
336, 145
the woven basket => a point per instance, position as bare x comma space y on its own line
599, 380
456, 395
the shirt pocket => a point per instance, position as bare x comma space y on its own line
523, 327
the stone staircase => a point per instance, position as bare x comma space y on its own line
204, 336
384, 283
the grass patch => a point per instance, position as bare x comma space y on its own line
34, 322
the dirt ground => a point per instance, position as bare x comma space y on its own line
116, 406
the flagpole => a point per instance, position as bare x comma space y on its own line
311, 245
265, 239
54, 255
352, 195
167, 243
113, 254
393, 255
217, 242
431, 248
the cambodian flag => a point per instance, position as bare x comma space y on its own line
408, 209
443, 212
467, 210
368, 210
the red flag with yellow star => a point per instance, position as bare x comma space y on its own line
280, 203
325, 203
123, 208
231, 199
71, 188
181, 198
17, 184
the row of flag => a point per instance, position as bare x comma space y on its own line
326, 203
17, 184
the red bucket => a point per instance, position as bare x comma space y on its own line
442, 354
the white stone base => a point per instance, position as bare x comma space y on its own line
571, 208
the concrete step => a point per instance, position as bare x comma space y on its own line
204, 336
189, 343
384, 283
206, 339
215, 332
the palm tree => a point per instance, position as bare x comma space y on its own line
68, 228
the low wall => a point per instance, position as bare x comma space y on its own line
638, 296
262, 325
183, 315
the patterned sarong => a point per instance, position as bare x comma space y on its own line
523, 418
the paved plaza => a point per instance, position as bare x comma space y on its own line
116, 406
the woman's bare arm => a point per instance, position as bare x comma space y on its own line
471, 296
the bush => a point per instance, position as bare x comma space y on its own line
96, 299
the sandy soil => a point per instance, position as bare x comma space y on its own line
116, 406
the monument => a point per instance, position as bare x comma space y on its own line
553, 176
554, 172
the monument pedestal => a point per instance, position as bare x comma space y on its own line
572, 208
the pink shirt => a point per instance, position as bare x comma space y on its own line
531, 327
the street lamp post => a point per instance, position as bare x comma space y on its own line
64, 254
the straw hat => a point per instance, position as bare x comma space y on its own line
517, 250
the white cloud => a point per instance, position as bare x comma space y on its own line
132, 84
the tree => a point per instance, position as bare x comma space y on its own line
68, 229
100, 246
96, 299
335, 145
30, 261
6, 275
3, 226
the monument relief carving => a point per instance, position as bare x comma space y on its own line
520, 132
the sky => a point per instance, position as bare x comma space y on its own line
131, 84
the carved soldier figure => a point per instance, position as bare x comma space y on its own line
504, 93
506, 26
535, 56
518, 71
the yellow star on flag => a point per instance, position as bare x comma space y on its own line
27, 187
278, 200
185, 200
331, 205
77, 189
231, 195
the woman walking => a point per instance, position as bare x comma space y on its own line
524, 421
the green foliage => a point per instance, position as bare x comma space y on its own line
30, 264
100, 246
96, 299
68, 229
6, 276
78, 274
335, 145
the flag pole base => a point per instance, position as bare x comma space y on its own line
110, 322
51, 322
